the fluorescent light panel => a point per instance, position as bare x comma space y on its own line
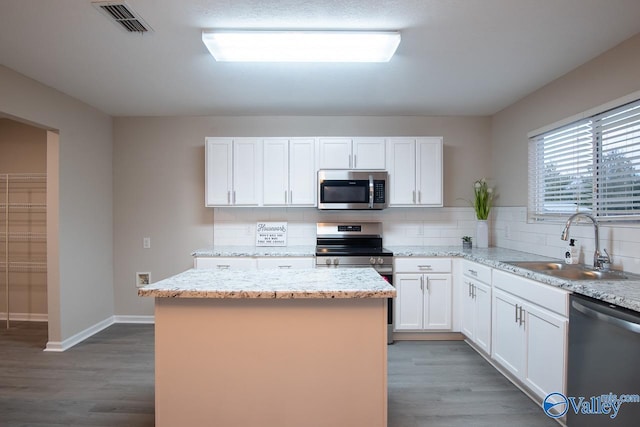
301, 46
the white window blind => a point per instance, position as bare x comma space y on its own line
591, 165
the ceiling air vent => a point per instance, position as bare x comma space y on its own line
123, 15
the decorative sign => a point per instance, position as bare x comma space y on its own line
271, 234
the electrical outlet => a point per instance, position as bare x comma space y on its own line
146, 242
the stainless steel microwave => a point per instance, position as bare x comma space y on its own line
352, 189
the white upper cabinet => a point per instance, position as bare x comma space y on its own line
351, 153
334, 153
302, 172
276, 167
233, 171
219, 171
368, 153
415, 171
289, 172
429, 171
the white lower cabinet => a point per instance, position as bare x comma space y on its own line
529, 341
476, 304
285, 262
476, 317
225, 263
252, 263
423, 301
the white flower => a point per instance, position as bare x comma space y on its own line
477, 184
489, 190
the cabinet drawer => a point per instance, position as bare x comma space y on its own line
225, 263
546, 296
476, 271
422, 265
285, 262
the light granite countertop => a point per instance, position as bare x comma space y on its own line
272, 283
623, 293
257, 251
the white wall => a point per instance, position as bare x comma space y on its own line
84, 287
611, 75
159, 188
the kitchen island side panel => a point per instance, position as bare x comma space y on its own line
271, 362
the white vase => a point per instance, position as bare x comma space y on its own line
482, 233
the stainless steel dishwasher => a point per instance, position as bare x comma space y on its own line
604, 364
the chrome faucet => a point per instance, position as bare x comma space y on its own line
600, 262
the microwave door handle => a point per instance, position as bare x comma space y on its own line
370, 191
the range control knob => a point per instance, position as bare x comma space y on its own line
336, 261
328, 261
372, 260
380, 261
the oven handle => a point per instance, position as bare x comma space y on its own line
370, 191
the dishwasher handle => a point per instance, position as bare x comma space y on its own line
629, 325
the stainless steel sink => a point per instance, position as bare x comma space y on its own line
568, 271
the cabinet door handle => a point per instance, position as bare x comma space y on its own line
234, 197
517, 310
285, 197
350, 165
425, 267
284, 266
414, 196
355, 163
223, 266
473, 273
422, 283
522, 315
229, 197
419, 196
473, 291
469, 285
291, 196
427, 284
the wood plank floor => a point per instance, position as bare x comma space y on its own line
108, 381
448, 384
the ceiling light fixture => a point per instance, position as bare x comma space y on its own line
301, 46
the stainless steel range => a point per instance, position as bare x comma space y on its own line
355, 245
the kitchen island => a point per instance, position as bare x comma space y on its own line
271, 348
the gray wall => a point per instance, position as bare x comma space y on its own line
84, 288
159, 180
609, 76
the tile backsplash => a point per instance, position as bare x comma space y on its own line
438, 227
402, 226
510, 230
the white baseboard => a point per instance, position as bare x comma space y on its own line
26, 317
135, 319
59, 346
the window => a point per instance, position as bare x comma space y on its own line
591, 165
